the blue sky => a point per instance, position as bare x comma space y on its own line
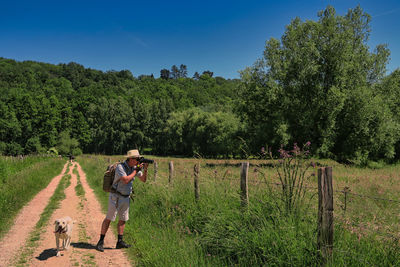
147, 36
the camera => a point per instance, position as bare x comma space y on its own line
144, 160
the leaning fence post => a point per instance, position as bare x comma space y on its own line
325, 212
244, 189
171, 171
155, 170
196, 181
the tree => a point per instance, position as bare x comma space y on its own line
182, 71
10, 130
174, 72
308, 86
165, 74
196, 76
115, 126
209, 73
74, 72
194, 131
389, 91
33, 146
125, 74
67, 145
105, 112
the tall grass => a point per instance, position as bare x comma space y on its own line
20, 181
169, 228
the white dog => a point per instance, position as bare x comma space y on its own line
63, 230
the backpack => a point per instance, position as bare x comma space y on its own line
108, 178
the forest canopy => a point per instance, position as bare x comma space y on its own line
320, 82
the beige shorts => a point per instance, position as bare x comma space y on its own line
118, 205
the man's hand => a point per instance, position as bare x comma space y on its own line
143, 177
139, 167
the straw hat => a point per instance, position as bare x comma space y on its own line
134, 153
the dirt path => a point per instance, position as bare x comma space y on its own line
86, 212
28, 217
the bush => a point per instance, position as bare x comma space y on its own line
13, 149
52, 151
66, 145
33, 146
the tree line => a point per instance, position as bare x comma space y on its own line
320, 83
73, 109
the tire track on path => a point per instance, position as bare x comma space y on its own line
86, 212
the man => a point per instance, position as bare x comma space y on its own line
118, 201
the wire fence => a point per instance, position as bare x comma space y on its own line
188, 173
360, 213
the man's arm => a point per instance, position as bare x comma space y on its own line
143, 177
128, 178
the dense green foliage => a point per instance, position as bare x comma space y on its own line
71, 108
200, 132
319, 83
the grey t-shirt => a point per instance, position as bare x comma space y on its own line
123, 169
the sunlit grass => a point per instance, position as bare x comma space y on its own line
169, 227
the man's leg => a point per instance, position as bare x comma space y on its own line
104, 228
121, 227
121, 243
105, 225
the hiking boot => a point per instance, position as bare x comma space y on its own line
99, 246
122, 244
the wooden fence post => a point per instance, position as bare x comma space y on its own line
325, 212
155, 170
171, 171
196, 181
345, 190
244, 189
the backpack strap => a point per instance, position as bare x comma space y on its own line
114, 183
125, 166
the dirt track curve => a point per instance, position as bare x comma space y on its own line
86, 213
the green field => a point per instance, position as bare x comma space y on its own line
169, 228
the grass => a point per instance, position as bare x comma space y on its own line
34, 236
80, 192
87, 258
170, 228
20, 181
